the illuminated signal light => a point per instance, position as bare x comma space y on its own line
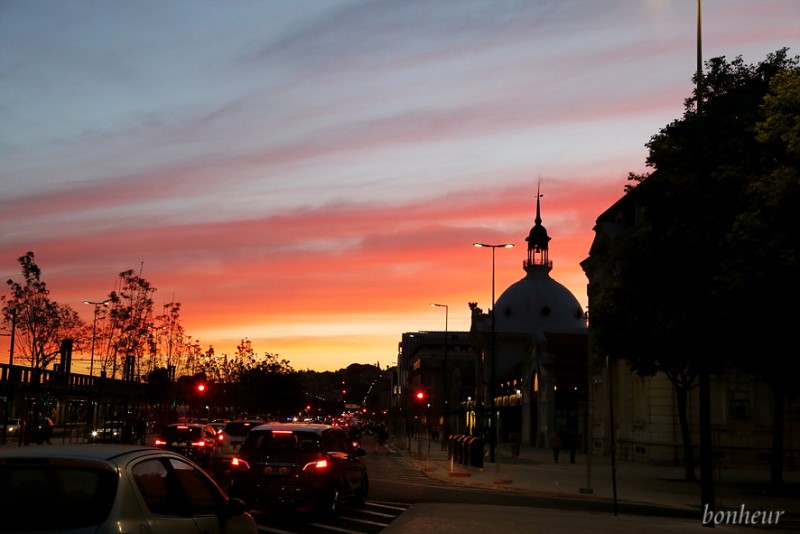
238, 463
198, 443
159, 442
221, 436
420, 395
282, 432
318, 465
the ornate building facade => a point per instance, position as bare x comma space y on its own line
536, 384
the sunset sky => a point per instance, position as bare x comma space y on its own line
311, 175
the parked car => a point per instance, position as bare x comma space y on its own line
310, 466
108, 432
11, 428
196, 441
229, 441
109, 488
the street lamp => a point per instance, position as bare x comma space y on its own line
94, 328
704, 386
446, 396
492, 418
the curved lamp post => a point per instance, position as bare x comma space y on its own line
492, 417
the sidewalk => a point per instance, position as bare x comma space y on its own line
590, 480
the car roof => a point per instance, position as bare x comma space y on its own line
296, 427
105, 452
246, 422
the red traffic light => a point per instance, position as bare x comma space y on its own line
420, 395
201, 388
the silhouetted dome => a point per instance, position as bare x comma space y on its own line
537, 302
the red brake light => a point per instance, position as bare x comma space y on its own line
318, 465
159, 442
221, 436
238, 463
200, 443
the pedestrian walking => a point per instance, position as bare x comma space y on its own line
45, 431
555, 444
141, 430
573, 446
383, 437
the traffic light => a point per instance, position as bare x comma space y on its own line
201, 387
420, 396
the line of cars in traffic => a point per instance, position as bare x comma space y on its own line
164, 486
276, 465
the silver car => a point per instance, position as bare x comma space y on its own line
229, 441
112, 488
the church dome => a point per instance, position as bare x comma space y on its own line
538, 303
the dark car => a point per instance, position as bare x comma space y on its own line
109, 432
229, 440
12, 428
196, 441
310, 466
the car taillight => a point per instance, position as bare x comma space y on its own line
200, 443
238, 463
319, 465
221, 437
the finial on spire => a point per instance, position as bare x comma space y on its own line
538, 219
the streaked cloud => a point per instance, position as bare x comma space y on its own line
310, 175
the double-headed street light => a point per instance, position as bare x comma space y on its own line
492, 417
94, 328
446, 372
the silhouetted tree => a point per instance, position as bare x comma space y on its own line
41, 324
715, 239
130, 319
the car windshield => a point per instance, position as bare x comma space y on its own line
182, 433
239, 429
73, 496
281, 441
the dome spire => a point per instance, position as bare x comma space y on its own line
538, 240
538, 219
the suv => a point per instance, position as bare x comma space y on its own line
228, 442
195, 441
298, 465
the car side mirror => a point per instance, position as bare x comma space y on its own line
235, 507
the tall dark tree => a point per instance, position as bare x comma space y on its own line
763, 255
714, 241
130, 318
41, 324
